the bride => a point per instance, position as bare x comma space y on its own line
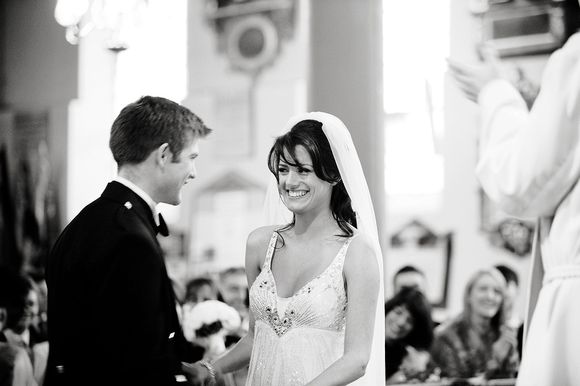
316, 313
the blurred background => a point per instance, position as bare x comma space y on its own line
67, 67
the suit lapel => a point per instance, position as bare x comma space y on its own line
121, 194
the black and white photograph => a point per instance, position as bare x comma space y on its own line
289, 192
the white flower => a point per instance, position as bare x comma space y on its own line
207, 313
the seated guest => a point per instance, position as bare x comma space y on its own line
197, 290
15, 365
233, 286
411, 277
408, 336
20, 329
200, 289
478, 342
39, 321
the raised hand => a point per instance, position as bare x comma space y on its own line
472, 78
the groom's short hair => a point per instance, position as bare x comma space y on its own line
146, 124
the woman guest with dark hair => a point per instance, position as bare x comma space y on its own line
408, 336
478, 342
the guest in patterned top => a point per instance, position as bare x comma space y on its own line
478, 343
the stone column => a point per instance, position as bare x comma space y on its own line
345, 79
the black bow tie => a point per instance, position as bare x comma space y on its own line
162, 227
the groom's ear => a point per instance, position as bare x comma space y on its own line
163, 154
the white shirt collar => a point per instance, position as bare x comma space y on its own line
141, 193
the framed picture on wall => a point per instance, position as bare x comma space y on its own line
418, 246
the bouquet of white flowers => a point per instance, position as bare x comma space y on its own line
207, 323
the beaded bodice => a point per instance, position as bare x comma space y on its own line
320, 303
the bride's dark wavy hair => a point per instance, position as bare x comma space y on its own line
309, 134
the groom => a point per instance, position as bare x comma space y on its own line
112, 312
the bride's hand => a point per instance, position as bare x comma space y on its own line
197, 375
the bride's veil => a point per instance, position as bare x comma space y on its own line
352, 175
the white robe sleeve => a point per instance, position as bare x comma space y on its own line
529, 160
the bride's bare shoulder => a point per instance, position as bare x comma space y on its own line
257, 244
261, 236
362, 247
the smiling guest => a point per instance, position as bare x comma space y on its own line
408, 335
477, 342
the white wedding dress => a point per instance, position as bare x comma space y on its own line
294, 346
297, 338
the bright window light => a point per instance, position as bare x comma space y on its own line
416, 43
156, 61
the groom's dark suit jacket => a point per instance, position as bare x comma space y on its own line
111, 307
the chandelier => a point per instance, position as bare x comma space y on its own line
118, 17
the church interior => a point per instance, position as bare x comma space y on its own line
246, 67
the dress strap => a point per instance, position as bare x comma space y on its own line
339, 259
270, 252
